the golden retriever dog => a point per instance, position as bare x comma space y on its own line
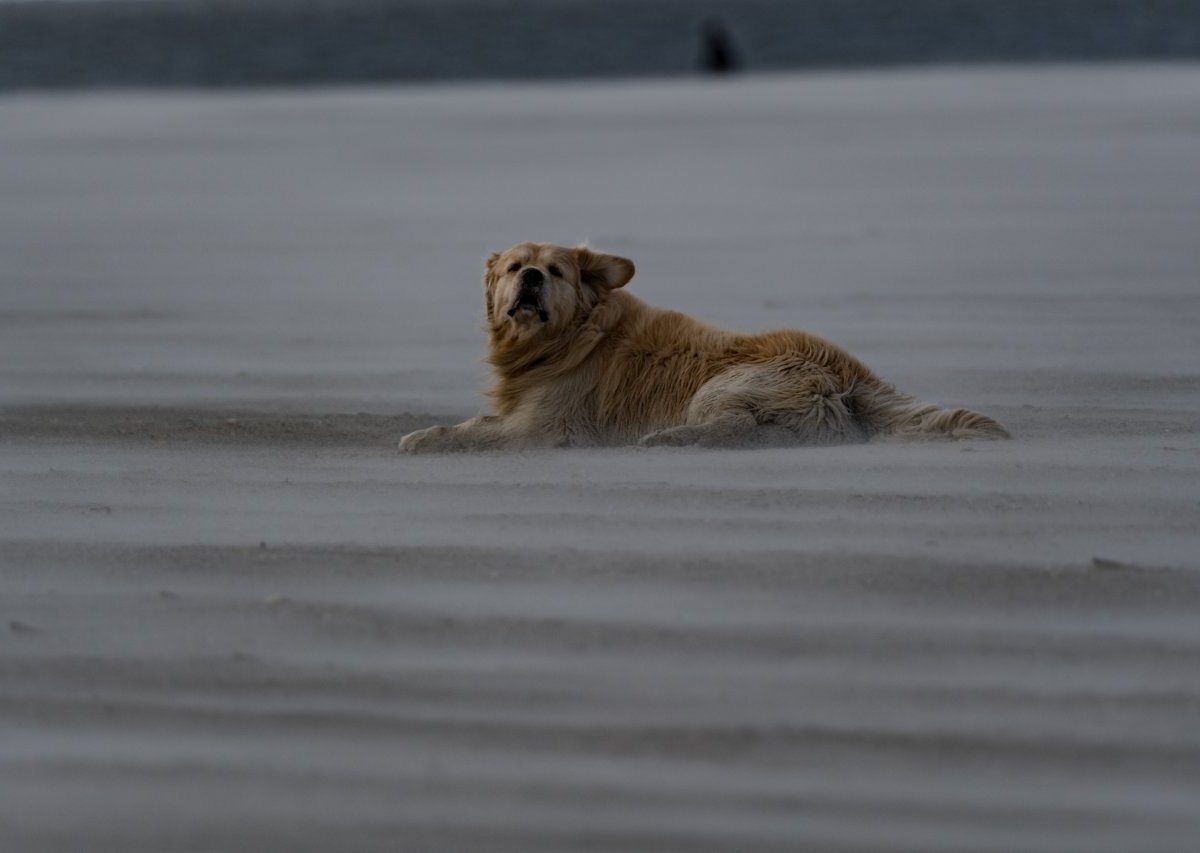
580, 362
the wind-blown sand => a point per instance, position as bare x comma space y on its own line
235, 618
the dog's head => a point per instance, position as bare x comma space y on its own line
536, 288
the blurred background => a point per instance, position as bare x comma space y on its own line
288, 201
52, 43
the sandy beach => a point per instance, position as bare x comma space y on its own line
233, 617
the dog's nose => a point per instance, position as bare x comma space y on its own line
532, 277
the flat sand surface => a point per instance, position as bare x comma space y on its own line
234, 618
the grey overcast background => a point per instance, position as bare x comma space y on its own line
186, 43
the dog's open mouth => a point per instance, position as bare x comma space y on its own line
529, 302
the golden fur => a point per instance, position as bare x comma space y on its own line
580, 362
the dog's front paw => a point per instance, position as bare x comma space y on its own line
431, 440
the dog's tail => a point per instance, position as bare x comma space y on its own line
884, 411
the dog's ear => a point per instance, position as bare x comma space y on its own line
489, 279
601, 271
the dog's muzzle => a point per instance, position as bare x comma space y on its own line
530, 300
530, 295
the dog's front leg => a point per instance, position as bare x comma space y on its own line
487, 432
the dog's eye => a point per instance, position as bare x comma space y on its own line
513, 267
555, 271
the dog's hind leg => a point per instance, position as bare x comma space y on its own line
727, 429
781, 402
